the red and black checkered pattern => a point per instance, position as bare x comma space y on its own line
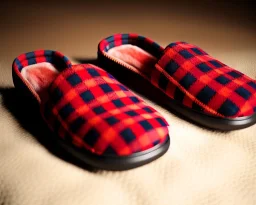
54, 57
90, 109
189, 75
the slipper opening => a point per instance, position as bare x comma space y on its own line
134, 56
134, 51
40, 76
39, 69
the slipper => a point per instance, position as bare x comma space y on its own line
195, 85
95, 118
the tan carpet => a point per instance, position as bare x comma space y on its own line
201, 166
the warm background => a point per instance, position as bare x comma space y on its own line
201, 166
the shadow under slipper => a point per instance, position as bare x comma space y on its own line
27, 113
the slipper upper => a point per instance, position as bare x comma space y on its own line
90, 109
189, 75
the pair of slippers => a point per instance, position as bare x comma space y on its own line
101, 122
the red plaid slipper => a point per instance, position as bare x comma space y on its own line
195, 85
96, 118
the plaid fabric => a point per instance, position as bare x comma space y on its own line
189, 75
39, 56
90, 109
134, 39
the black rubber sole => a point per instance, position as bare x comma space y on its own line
116, 163
145, 88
